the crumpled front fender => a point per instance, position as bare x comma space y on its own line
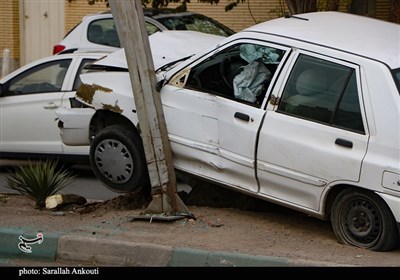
110, 91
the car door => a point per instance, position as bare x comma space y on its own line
27, 107
213, 112
316, 135
240, 117
72, 82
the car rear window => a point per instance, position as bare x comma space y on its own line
103, 32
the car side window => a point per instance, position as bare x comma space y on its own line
241, 72
324, 92
46, 77
81, 70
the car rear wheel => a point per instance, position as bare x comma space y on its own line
118, 160
363, 219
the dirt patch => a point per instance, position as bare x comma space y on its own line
224, 221
130, 201
202, 194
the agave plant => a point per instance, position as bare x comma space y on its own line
37, 181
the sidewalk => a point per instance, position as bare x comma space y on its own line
219, 237
111, 238
102, 251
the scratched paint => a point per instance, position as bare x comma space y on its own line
86, 92
114, 108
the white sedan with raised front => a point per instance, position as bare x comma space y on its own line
300, 111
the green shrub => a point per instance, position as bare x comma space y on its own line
37, 181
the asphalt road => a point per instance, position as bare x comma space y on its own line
86, 184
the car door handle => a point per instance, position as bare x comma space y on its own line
50, 106
344, 143
242, 116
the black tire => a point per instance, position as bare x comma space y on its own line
118, 160
362, 219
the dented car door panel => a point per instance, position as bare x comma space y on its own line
299, 168
231, 110
191, 119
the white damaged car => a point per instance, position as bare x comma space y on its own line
300, 111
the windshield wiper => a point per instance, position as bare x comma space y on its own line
164, 67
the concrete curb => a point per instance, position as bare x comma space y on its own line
195, 257
123, 253
112, 252
9, 240
106, 252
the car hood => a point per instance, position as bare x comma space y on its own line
166, 46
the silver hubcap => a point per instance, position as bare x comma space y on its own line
114, 161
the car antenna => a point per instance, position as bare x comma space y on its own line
291, 16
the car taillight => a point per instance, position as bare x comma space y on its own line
58, 48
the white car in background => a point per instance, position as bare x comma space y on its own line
98, 31
29, 97
300, 111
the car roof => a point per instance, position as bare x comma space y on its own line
148, 12
86, 52
89, 54
167, 46
151, 12
361, 35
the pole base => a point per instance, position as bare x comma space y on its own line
169, 206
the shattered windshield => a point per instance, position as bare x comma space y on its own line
195, 22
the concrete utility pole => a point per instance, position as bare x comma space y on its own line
129, 19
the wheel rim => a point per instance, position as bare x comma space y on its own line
114, 161
361, 223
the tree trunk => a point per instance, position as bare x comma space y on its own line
358, 7
332, 5
58, 200
362, 7
301, 6
394, 15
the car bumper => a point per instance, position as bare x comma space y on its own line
74, 125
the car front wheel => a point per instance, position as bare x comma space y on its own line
363, 219
118, 160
